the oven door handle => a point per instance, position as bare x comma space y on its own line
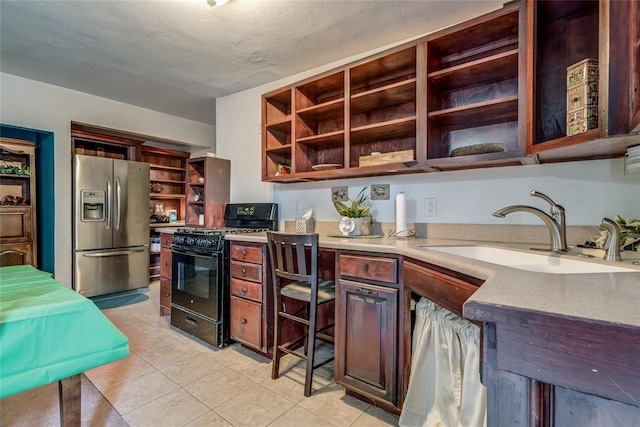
195, 254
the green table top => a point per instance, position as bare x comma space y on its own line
48, 332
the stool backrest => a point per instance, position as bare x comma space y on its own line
293, 256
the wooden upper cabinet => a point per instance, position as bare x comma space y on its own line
475, 90
563, 33
487, 92
208, 190
276, 133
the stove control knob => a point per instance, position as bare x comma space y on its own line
190, 240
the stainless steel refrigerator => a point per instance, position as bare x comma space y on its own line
111, 225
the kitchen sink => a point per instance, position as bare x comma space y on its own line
543, 263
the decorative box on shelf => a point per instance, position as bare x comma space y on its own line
383, 158
582, 96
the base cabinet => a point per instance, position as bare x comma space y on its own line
366, 341
166, 239
547, 370
248, 269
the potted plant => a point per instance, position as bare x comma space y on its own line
353, 213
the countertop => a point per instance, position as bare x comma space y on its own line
610, 298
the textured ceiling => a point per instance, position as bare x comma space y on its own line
178, 56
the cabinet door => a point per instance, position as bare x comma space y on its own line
16, 254
366, 333
246, 322
165, 263
165, 296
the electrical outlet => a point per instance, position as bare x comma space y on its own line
430, 206
297, 207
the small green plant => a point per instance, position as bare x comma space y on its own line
356, 208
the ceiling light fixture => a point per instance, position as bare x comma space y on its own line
217, 2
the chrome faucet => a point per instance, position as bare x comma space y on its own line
555, 222
612, 245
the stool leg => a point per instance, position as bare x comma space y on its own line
311, 348
277, 327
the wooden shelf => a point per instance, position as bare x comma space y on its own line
320, 91
166, 181
166, 168
283, 126
12, 176
503, 108
331, 110
383, 70
390, 129
385, 96
279, 150
166, 196
490, 69
471, 42
328, 139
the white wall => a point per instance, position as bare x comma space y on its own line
45, 107
588, 190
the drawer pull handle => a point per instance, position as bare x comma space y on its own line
243, 321
167, 264
167, 295
191, 320
364, 267
244, 290
366, 291
244, 253
244, 271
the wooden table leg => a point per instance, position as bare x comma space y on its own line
69, 391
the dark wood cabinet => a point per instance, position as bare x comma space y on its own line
475, 87
563, 33
17, 202
542, 369
208, 191
487, 92
366, 353
249, 305
166, 239
366, 326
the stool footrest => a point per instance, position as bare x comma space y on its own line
294, 318
293, 352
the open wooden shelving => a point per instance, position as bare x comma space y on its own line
495, 82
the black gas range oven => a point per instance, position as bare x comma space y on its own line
200, 283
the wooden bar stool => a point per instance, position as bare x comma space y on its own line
294, 269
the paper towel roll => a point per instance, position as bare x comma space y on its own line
401, 215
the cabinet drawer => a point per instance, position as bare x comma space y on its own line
246, 253
447, 291
165, 263
246, 322
165, 292
380, 269
243, 270
15, 224
245, 289
166, 239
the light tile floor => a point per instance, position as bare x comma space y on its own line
172, 380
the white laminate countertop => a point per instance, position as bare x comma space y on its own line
612, 298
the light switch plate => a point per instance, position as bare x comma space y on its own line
379, 192
339, 194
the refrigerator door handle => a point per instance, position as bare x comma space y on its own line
108, 204
118, 204
113, 253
